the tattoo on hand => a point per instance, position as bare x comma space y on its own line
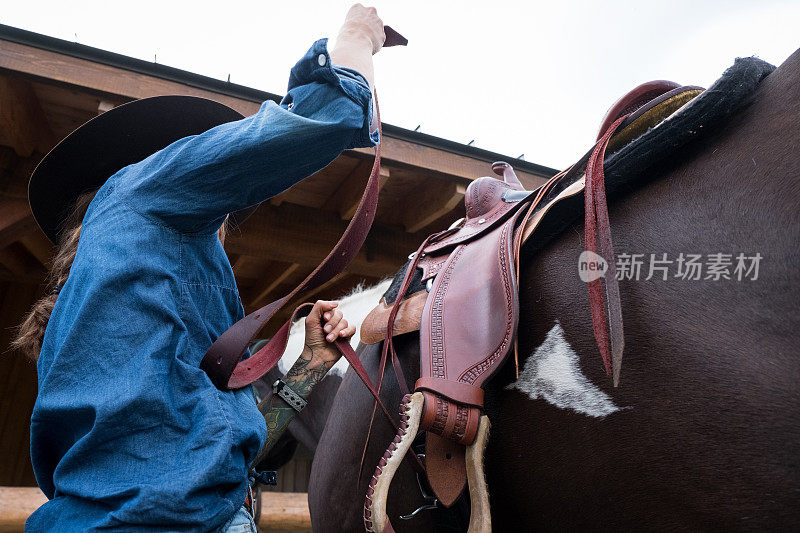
301, 378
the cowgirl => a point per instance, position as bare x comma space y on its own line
127, 432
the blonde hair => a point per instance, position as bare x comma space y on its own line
30, 333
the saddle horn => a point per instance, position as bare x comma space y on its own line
506, 171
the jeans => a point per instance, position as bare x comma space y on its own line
241, 522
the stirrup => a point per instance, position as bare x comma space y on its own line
375, 517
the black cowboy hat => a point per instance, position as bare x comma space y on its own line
126, 134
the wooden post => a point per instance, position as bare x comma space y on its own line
287, 511
16, 504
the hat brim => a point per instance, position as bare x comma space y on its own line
127, 134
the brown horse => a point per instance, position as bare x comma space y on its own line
704, 430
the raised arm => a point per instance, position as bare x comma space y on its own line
192, 184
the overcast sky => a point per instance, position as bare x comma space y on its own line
531, 78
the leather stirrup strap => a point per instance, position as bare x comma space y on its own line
387, 351
609, 335
519, 241
358, 367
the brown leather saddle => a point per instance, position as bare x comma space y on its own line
460, 291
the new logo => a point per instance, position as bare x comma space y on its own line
591, 266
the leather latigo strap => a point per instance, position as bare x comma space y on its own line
393, 38
604, 299
222, 360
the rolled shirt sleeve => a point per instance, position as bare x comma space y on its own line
193, 183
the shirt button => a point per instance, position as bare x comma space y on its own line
322, 60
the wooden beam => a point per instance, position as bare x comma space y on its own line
278, 200
349, 193
259, 293
13, 263
351, 190
16, 220
311, 295
105, 105
239, 263
40, 247
332, 289
16, 505
17, 175
21, 264
22, 121
405, 153
286, 511
5, 275
98, 77
436, 200
301, 235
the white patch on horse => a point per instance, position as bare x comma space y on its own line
355, 307
553, 374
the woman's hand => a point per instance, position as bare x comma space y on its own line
363, 24
324, 324
360, 37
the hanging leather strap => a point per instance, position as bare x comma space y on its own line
388, 351
606, 321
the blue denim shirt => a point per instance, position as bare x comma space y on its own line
127, 432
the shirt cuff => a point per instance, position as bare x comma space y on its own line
316, 66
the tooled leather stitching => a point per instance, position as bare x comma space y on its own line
474, 372
442, 408
472, 205
461, 423
437, 320
485, 198
470, 229
432, 268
